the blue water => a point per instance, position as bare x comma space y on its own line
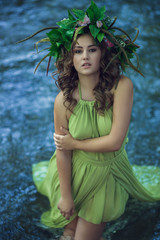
26, 107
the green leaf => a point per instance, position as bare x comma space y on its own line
58, 44
70, 16
104, 25
54, 35
95, 13
66, 23
102, 13
90, 14
130, 55
131, 48
94, 6
53, 50
108, 20
94, 30
80, 14
67, 45
69, 34
62, 31
100, 37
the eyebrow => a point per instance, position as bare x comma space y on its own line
93, 45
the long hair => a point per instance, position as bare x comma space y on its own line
67, 80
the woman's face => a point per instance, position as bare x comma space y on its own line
86, 56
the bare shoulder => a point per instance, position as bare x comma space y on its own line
60, 117
125, 82
59, 107
59, 99
124, 85
58, 104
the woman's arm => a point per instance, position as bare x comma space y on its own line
63, 158
122, 107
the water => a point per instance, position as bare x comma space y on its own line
26, 105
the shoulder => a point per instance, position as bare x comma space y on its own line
123, 94
60, 117
59, 107
125, 81
59, 98
58, 104
124, 85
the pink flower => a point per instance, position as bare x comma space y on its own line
99, 24
109, 44
85, 22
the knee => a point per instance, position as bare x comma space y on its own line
88, 231
69, 231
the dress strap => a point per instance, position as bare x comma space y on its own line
79, 88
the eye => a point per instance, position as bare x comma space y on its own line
92, 50
77, 51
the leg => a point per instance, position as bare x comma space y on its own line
88, 231
70, 229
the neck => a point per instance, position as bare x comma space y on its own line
89, 82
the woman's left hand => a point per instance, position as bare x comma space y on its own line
64, 142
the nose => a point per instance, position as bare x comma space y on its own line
85, 54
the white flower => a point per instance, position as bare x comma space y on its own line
99, 24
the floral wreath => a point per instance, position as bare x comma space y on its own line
100, 26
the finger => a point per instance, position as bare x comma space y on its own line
67, 216
72, 212
55, 139
53, 135
56, 136
59, 208
59, 147
57, 142
63, 214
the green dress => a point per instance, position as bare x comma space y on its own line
101, 182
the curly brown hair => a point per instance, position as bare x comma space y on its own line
67, 80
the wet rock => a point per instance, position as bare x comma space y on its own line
6, 146
139, 222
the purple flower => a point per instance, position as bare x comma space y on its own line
108, 43
85, 22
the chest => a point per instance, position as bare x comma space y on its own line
85, 122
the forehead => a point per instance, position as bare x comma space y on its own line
85, 40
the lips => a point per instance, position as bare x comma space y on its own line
86, 65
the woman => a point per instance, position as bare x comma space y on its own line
86, 60
89, 178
